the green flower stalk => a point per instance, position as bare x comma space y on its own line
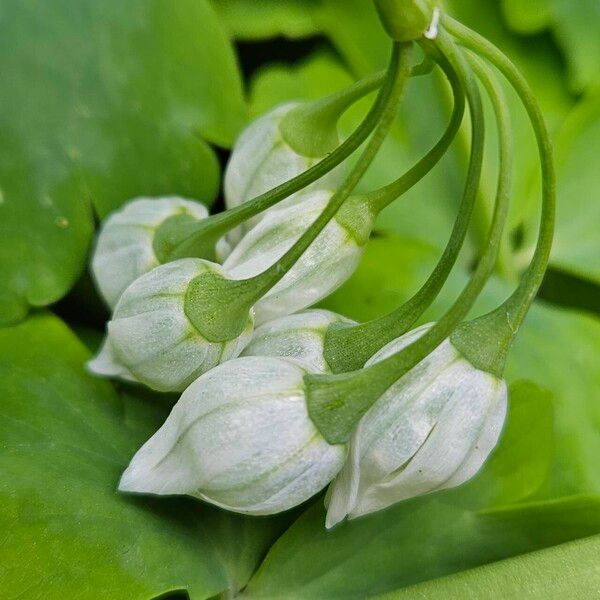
334, 254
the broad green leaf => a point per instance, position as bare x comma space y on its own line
575, 248
412, 542
575, 26
318, 75
247, 20
557, 349
100, 102
66, 531
567, 571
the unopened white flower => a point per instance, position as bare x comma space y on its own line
433, 429
240, 437
151, 339
299, 337
325, 265
262, 160
124, 249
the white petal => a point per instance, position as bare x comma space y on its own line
486, 442
298, 337
106, 363
124, 249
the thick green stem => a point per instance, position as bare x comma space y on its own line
337, 402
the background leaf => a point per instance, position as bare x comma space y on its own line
100, 102
67, 533
567, 571
575, 26
575, 248
268, 18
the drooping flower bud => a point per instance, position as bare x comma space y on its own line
125, 247
433, 429
151, 337
261, 160
240, 437
327, 263
298, 337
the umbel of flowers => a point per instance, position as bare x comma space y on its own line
280, 400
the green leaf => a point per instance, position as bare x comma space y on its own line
412, 542
575, 26
575, 248
66, 531
100, 102
566, 571
317, 75
247, 20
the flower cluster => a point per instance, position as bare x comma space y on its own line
278, 400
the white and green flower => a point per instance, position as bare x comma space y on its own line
150, 338
240, 437
324, 266
299, 337
433, 429
261, 160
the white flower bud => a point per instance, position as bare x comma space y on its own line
433, 429
327, 263
240, 437
152, 340
299, 337
262, 160
124, 249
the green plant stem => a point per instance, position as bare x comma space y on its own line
485, 341
337, 402
518, 304
201, 242
348, 347
219, 307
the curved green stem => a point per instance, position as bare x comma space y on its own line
201, 242
219, 307
337, 402
521, 300
348, 347
486, 340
